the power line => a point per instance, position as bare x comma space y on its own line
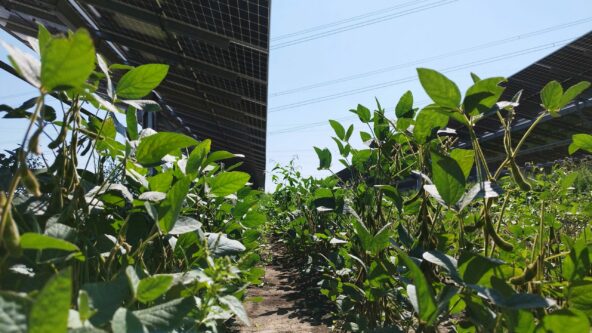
414, 77
347, 20
432, 58
362, 24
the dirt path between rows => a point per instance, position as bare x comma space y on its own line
291, 303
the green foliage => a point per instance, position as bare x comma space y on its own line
140, 81
469, 249
49, 312
146, 235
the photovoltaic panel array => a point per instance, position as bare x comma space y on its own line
218, 51
550, 139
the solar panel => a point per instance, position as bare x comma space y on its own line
218, 51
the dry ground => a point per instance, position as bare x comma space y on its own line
291, 303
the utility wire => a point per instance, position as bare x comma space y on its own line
347, 20
361, 24
414, 77
432, 58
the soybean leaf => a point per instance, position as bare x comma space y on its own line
404, 108
140, 81
561, 320
482, 96
34, 241
581, 141
445, 261
573, 92
551, 95
25, 64
85, 310
184, 225
579, 296
420, 293
49, 312
349, 132
254, 219
125, 321
427, 121
448, 178
67, 61
220, 245
153, 287
197, 156
359, 158
236, 307
13, 312
465, 159
132, 123
167, 316
161, 182
171, 206
441, 90
324, 158
227, 183
363, 113
106, 297
338, 128
153, 148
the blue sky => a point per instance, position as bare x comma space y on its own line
490, 38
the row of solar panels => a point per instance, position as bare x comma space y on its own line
549, 141
218, 51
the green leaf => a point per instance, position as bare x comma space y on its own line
106, 298
563, 320
125, 321
227, 183
85, 310
363, 113
172, 204
579, 296
573, 92
34, 241
184, 225
235, 306
483, 95
581, 141
25, 64
324, 158
465, 159
68, 61
197, 156
161, 182
475, 77
13, 312
404, 107
441, 90
254, 219
551, 96
428, 120
153, 148
140, 81
44, 37
420, 293
338, 128
50, 309
359, 158
153, 287
349, 132
219, 156
448, 178
167, 316
132, 123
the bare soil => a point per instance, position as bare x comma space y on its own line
291, 300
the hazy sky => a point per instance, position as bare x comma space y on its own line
329, 55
